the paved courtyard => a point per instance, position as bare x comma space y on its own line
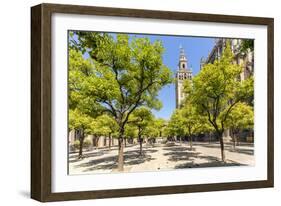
161, 157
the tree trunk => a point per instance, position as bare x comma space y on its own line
234, 141
238, 138
153, 140
190, 142
109, 141
93, 141
81, 142
120, 154
80, 148
220, 135
210, 138
97, 142
140, 141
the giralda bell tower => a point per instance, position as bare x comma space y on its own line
183, 73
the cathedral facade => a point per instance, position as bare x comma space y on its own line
246, 60
183, 72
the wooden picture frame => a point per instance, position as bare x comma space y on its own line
41, 118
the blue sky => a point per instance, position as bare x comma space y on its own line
195, 48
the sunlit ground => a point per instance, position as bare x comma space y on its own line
168, 156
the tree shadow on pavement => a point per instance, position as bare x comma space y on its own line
194, 159
206, 164
175, 148
180, 155
209, 161
105, 163
94, 153
111, 163
243, 151
217, 146
229, 147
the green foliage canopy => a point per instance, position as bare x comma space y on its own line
216, 90
241, 117
128, 75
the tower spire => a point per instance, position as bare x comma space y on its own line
182, 59
182, 54
181, 51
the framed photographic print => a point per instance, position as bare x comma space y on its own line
130, 102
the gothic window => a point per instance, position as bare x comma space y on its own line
183, 66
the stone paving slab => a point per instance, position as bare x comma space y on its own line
161, 157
